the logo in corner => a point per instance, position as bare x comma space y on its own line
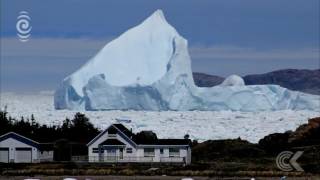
287, 161
23, 26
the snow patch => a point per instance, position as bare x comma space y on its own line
233, 80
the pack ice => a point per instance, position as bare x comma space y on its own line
148, 67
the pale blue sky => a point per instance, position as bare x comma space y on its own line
225, 37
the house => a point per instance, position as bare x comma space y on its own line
119, 144
15, 148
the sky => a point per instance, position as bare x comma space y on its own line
224, 37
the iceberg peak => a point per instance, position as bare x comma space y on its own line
156, 20
158, 14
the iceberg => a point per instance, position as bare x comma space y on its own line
148, 67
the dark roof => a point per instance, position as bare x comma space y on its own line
165, 142
150, 141
126, 133
20, 138
112, 142
174, 141
123, 129
150, 138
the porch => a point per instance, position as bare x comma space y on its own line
122, 159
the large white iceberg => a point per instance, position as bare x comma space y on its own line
149, 68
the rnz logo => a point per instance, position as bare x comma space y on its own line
287, 161
23, 26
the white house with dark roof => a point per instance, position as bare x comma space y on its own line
118, 144
15, 148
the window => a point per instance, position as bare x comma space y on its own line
129, 150
161, 151
112, 135
111, 152
148, 152
121, 153
174, 152
112, 132
96, 150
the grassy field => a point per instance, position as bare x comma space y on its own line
152, 178
85, 169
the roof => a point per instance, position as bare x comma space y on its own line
123, 129
20, 138
127, 134
165, 142
112, 142
174, 141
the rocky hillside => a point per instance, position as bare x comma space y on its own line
237, 154
304, 135
206, 80
307, 81
301, 80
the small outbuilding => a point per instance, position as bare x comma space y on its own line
15, 148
